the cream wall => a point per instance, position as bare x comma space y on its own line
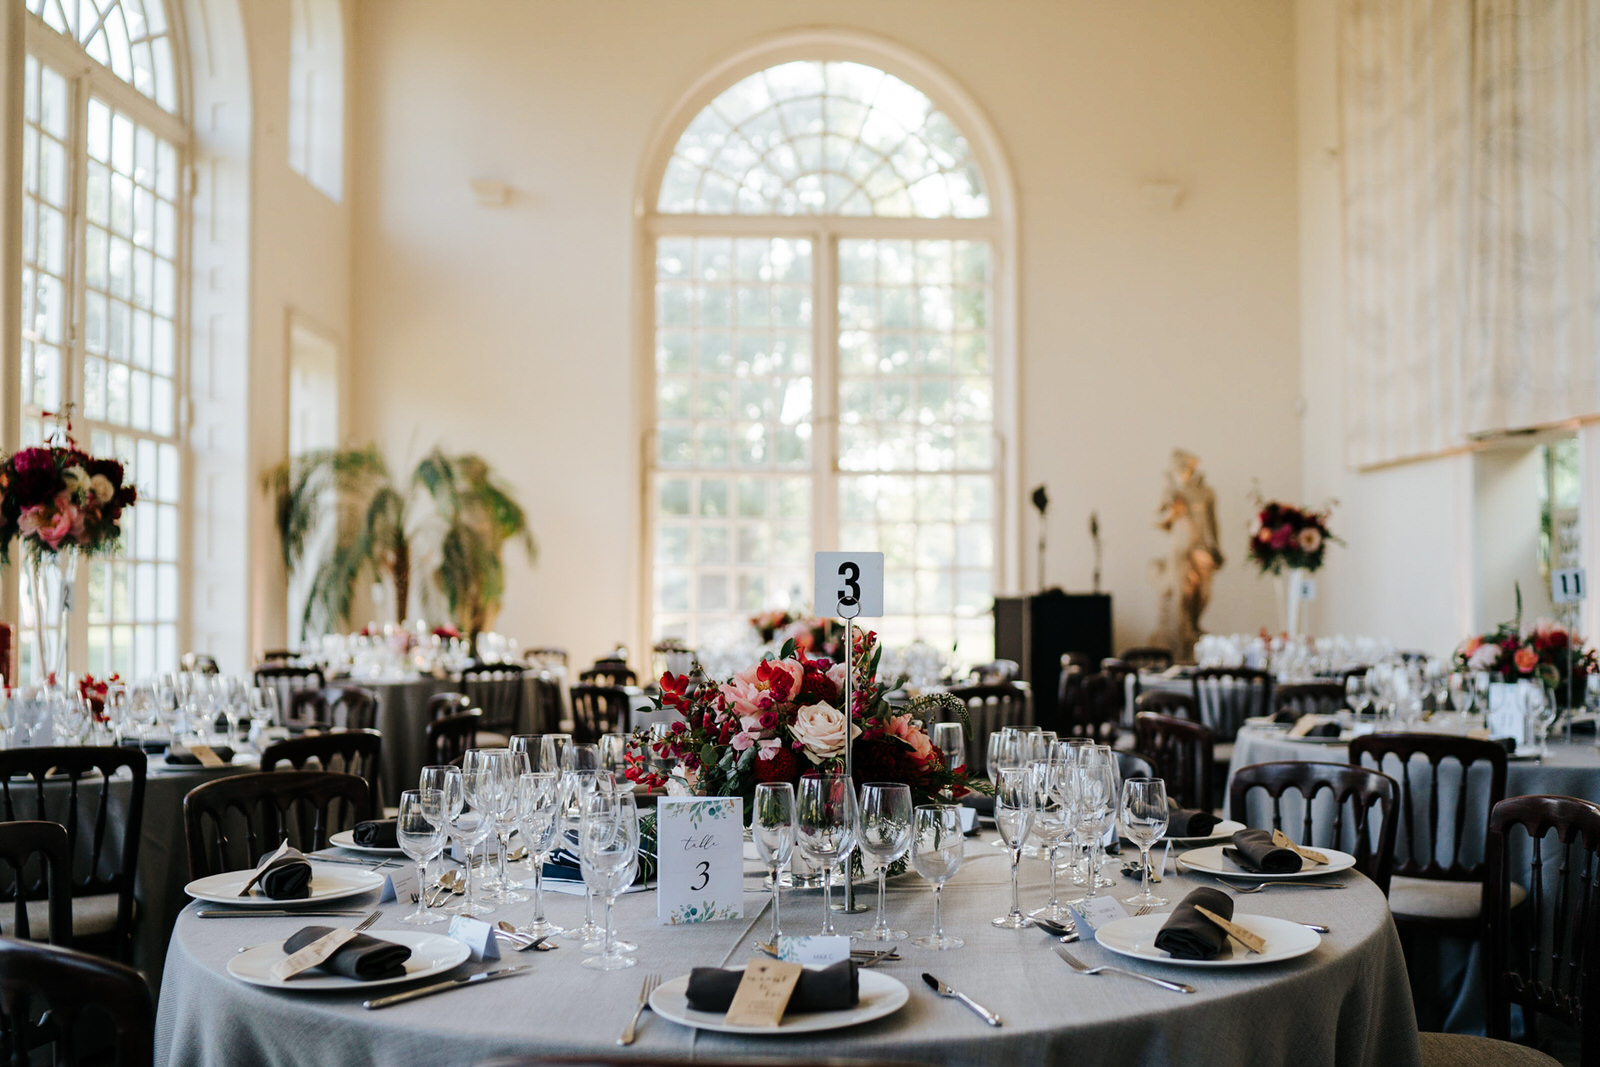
510, 331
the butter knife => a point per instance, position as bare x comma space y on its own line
440, 987
945, 991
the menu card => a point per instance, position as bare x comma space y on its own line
700, 859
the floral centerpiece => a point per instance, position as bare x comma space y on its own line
821, 637
1549, 653
783, 717
93, 692
1286, 536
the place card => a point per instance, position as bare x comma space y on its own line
311, 955
1505, 717
206, 755
969, 819
1310, 855
399, 884
763, 993
813, 949
1097, 911
476, 934
1252, 942
700, 859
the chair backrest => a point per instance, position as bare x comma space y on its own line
1147, 658
82, 994
452, 735
1090, 706
546, 714
231, 822
442, 705
351, 707
1133, 765
286, 681
1548, 960
277, 655
990, 707
1227, 696
1183, 753
199, 663
1119, 671
1422, 838
496, 688
596, 710
103, 831
1166, 702
1356, 790
1308, 698
36, 864
358, 752
608, 673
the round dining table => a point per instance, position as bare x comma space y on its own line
1345, 1002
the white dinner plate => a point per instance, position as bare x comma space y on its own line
880, 995
1224, 828
329, 881
1342, 739
1136, 936
431, 954
347, 839
1211, 861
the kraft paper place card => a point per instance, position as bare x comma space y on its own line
700, 859
763, 993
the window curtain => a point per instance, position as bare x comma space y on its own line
1471, 164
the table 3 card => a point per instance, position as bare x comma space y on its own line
700, 859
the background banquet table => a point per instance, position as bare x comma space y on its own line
1345, 1003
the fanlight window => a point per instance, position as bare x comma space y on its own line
130, 38
814, 138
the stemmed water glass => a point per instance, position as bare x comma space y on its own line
419, 829
885, 836
608, 848
504, 768
937, 845
826, 806
613, 748
116, 710
471, 824
1094, 780
773, 830
1013, 816
263, 712
1052, 823
1144, 822
538, 805
551, 749
574, 787
580, 759
1539, 710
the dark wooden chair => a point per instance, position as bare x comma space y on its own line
990, 707
496, 688
277, 655
199, 663
1430, 885
1166, 702
229, 824
443, 705
286, 681
1356, 790
335, 707
608, 673
102, 835
1548, 963
544, 657
1090, 706
1308, 698
450, 736
547, 712
1147, 658
1133, 765
1227, 696
596, 710
35, 866
357, 752
1120, 671
1183, 754
100, 1012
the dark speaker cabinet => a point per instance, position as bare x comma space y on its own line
1038, 630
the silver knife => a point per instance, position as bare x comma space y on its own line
945, 991
269, 913
440, 987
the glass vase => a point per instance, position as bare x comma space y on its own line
51, 579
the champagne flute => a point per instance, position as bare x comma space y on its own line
1013, 816
608, 847
827, 827
1052, 823
885, 836
937, 846
1144, 822
419, 828
773, 830
538, 807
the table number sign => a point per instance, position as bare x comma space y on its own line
1568, 586
700, 859
844, 576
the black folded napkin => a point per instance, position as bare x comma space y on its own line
1186, 822
1188, 935
1323, 729
566, 865
835, 987
288, 877
981, 804
377, 833
179, 756
1254, 851
1287, 716
363, 958
1507, 743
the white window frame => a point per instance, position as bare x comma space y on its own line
998, 229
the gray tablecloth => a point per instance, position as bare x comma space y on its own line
1345, 1003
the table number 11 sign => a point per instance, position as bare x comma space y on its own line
700, 859
1568, 586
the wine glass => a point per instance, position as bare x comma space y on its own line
1094, 782
1013, 816
574, 787
503, 769
551, 749
538, 805
142, 709
773, 830
826, 806
1539, 710
608, 847
1052, 824
116, 710
581, 758
445, 780
937, 845
419, 829
264, 715
532, 744
473, 822
1144, 822
949, 739
613, 747
885, 836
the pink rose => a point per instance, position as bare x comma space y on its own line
906, 729
1281, 537
820, 729
1526, 659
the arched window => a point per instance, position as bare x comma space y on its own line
824, 359
104, 218
316, 93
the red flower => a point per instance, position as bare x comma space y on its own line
780, 768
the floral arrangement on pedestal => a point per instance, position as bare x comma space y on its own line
1288, 537
783, 717
1547, 653
821, 637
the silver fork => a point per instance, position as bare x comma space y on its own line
650, 983
1083, 968
366, 923
1143, 909
1259, 886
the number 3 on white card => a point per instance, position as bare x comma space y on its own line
703, 869
850, 571
849, 584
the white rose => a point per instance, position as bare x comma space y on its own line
100, 486
74, 477
820, 730
1484, 658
